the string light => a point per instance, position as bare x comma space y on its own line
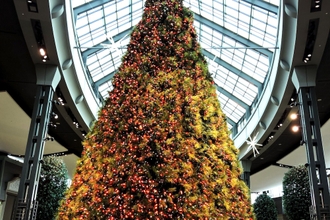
160, 148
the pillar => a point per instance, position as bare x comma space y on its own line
26, 205
304, 80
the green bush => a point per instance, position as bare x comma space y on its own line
52, 186
265, 208
296, 193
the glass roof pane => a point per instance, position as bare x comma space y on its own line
77, 3
259, 21
206, 9
274, 2
194, 5
105, 88
232, 83
222, 27
230, 108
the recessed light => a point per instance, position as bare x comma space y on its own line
294, 116
295, 128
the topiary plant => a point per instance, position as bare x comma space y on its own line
51, 188
265, 208
296, 193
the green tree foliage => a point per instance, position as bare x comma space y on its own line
160, 148
265, 208
51, 188
296, 193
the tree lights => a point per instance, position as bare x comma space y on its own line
160, 148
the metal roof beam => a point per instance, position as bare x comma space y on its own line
233, 35
98, 47
104, 79
264, 5
232, 97
230, 121
232, 69
88, 6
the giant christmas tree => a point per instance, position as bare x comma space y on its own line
160, 148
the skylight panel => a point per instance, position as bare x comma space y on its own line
222, 28
84, 30
77, 3
255, 65
122, 4
195, 8
194, 5
110, 8
124, 23
137, 12
231, 109
206, 10
259, 21
274, 2
105, 88
110, 18
232, 83
137, 6
94, 15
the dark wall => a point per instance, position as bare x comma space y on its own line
279, 206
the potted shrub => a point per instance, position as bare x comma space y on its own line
296, 193
265, 208
51, 188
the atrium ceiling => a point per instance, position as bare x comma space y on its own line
238, 39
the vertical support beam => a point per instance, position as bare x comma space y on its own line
26, 204
304, 80
246, 164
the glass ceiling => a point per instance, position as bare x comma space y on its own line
238, 39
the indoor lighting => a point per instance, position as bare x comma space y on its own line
32, 6
51, 124
75, 123
316, 5
295, 128
49, 139
60, 100
54, 115
292, 104
294, 116
42, 52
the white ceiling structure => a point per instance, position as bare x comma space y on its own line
14, 131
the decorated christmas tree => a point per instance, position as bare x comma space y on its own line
160, 148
